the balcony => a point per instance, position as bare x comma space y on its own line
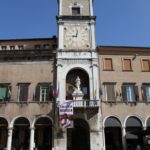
85, 103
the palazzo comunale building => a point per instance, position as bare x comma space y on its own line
108, 86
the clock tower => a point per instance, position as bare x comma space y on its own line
76, 24
77, 58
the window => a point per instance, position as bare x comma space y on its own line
12, 47
4, 48
108, 66
75, 11
44, 92
23, 91
130, 92
145, 65
146, 92
37, 46
127, 65
110, 91
54, 46
20, 47
5, 92
46, 46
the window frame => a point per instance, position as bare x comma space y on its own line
3, 48
8, 89
77, 9
106, 91
42, 87
104, 64
46, 46
134, 97
46, 91
20, 47
37, 46
12, 47
123, 65
142, 66
144, 94
27, 92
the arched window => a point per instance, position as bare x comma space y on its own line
70, 83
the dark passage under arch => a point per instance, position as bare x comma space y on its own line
78, 138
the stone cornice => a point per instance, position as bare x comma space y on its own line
76, 17
33, 54
120, 50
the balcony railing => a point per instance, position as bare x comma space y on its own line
84, 103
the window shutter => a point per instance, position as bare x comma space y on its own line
23, 95
145, 65
143, 92
37, 93
108, 64
127, 65
48, 97
136, 93
3, 93
124, 93
110, 92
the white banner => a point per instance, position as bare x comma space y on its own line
66, 114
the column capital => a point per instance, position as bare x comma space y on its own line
123, 127
32, 128
10, 128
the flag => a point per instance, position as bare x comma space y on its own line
100, 92
9, 93
118, 92
95, 92
57, 92
53, 93
142, 93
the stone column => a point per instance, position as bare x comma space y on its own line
124, 138
60, 143
9, 140
32, 144
96, 140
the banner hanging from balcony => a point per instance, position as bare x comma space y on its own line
66, 114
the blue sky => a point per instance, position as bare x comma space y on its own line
119, 22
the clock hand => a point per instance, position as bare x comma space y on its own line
76, 33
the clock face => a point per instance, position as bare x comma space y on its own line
76, 37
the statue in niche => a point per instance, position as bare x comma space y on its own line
77, 94
78, 83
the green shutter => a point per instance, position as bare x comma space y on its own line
3, 93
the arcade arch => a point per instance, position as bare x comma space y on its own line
113, 133
43, 133
3, 132
21, 134
133, 127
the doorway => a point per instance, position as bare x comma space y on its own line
21, 134
78, 138
43, 134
